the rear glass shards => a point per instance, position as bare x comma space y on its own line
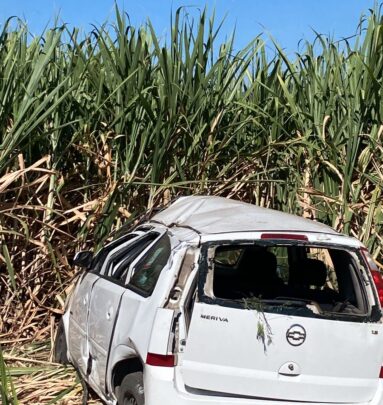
298, 279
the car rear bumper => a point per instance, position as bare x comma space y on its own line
164, 386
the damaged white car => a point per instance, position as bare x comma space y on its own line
214, 301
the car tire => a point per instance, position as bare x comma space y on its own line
131, 390
60, 347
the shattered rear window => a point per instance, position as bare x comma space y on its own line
321, 280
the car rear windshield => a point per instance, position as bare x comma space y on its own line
324, 281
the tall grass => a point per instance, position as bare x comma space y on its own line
7, 390
95, 128
28, 378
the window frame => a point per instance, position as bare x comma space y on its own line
205, 279
117, 253
110, 247
114, 252
139, 259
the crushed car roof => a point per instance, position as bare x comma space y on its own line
213, 215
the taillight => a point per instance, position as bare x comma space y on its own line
160, 360
381, 372
375, 273
378, 280
289, 236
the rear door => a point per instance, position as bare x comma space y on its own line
79, 308
231, 350
242, 352
105, 303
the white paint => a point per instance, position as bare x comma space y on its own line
159, 338
212, 215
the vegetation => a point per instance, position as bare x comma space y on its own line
31, 379
96, 128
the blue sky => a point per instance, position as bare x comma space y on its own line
286, 20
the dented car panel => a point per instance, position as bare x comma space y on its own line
137, 316
214, 301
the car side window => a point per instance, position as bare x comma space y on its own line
148, 269
103, 253
119, 263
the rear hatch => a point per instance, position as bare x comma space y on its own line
302, 342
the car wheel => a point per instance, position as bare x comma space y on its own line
60, 346
131, 390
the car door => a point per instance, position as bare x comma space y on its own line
149, 279
77, 336
105, 303
79, 305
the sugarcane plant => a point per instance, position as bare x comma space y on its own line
97, 128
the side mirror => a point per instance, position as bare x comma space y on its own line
83, 259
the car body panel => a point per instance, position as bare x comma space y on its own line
215, 215
134, 328
166, 386
103, 313
241, 352
77, 333
312, 237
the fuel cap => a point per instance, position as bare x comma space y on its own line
290, 369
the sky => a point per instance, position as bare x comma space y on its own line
288, 21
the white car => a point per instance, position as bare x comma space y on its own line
215, 301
